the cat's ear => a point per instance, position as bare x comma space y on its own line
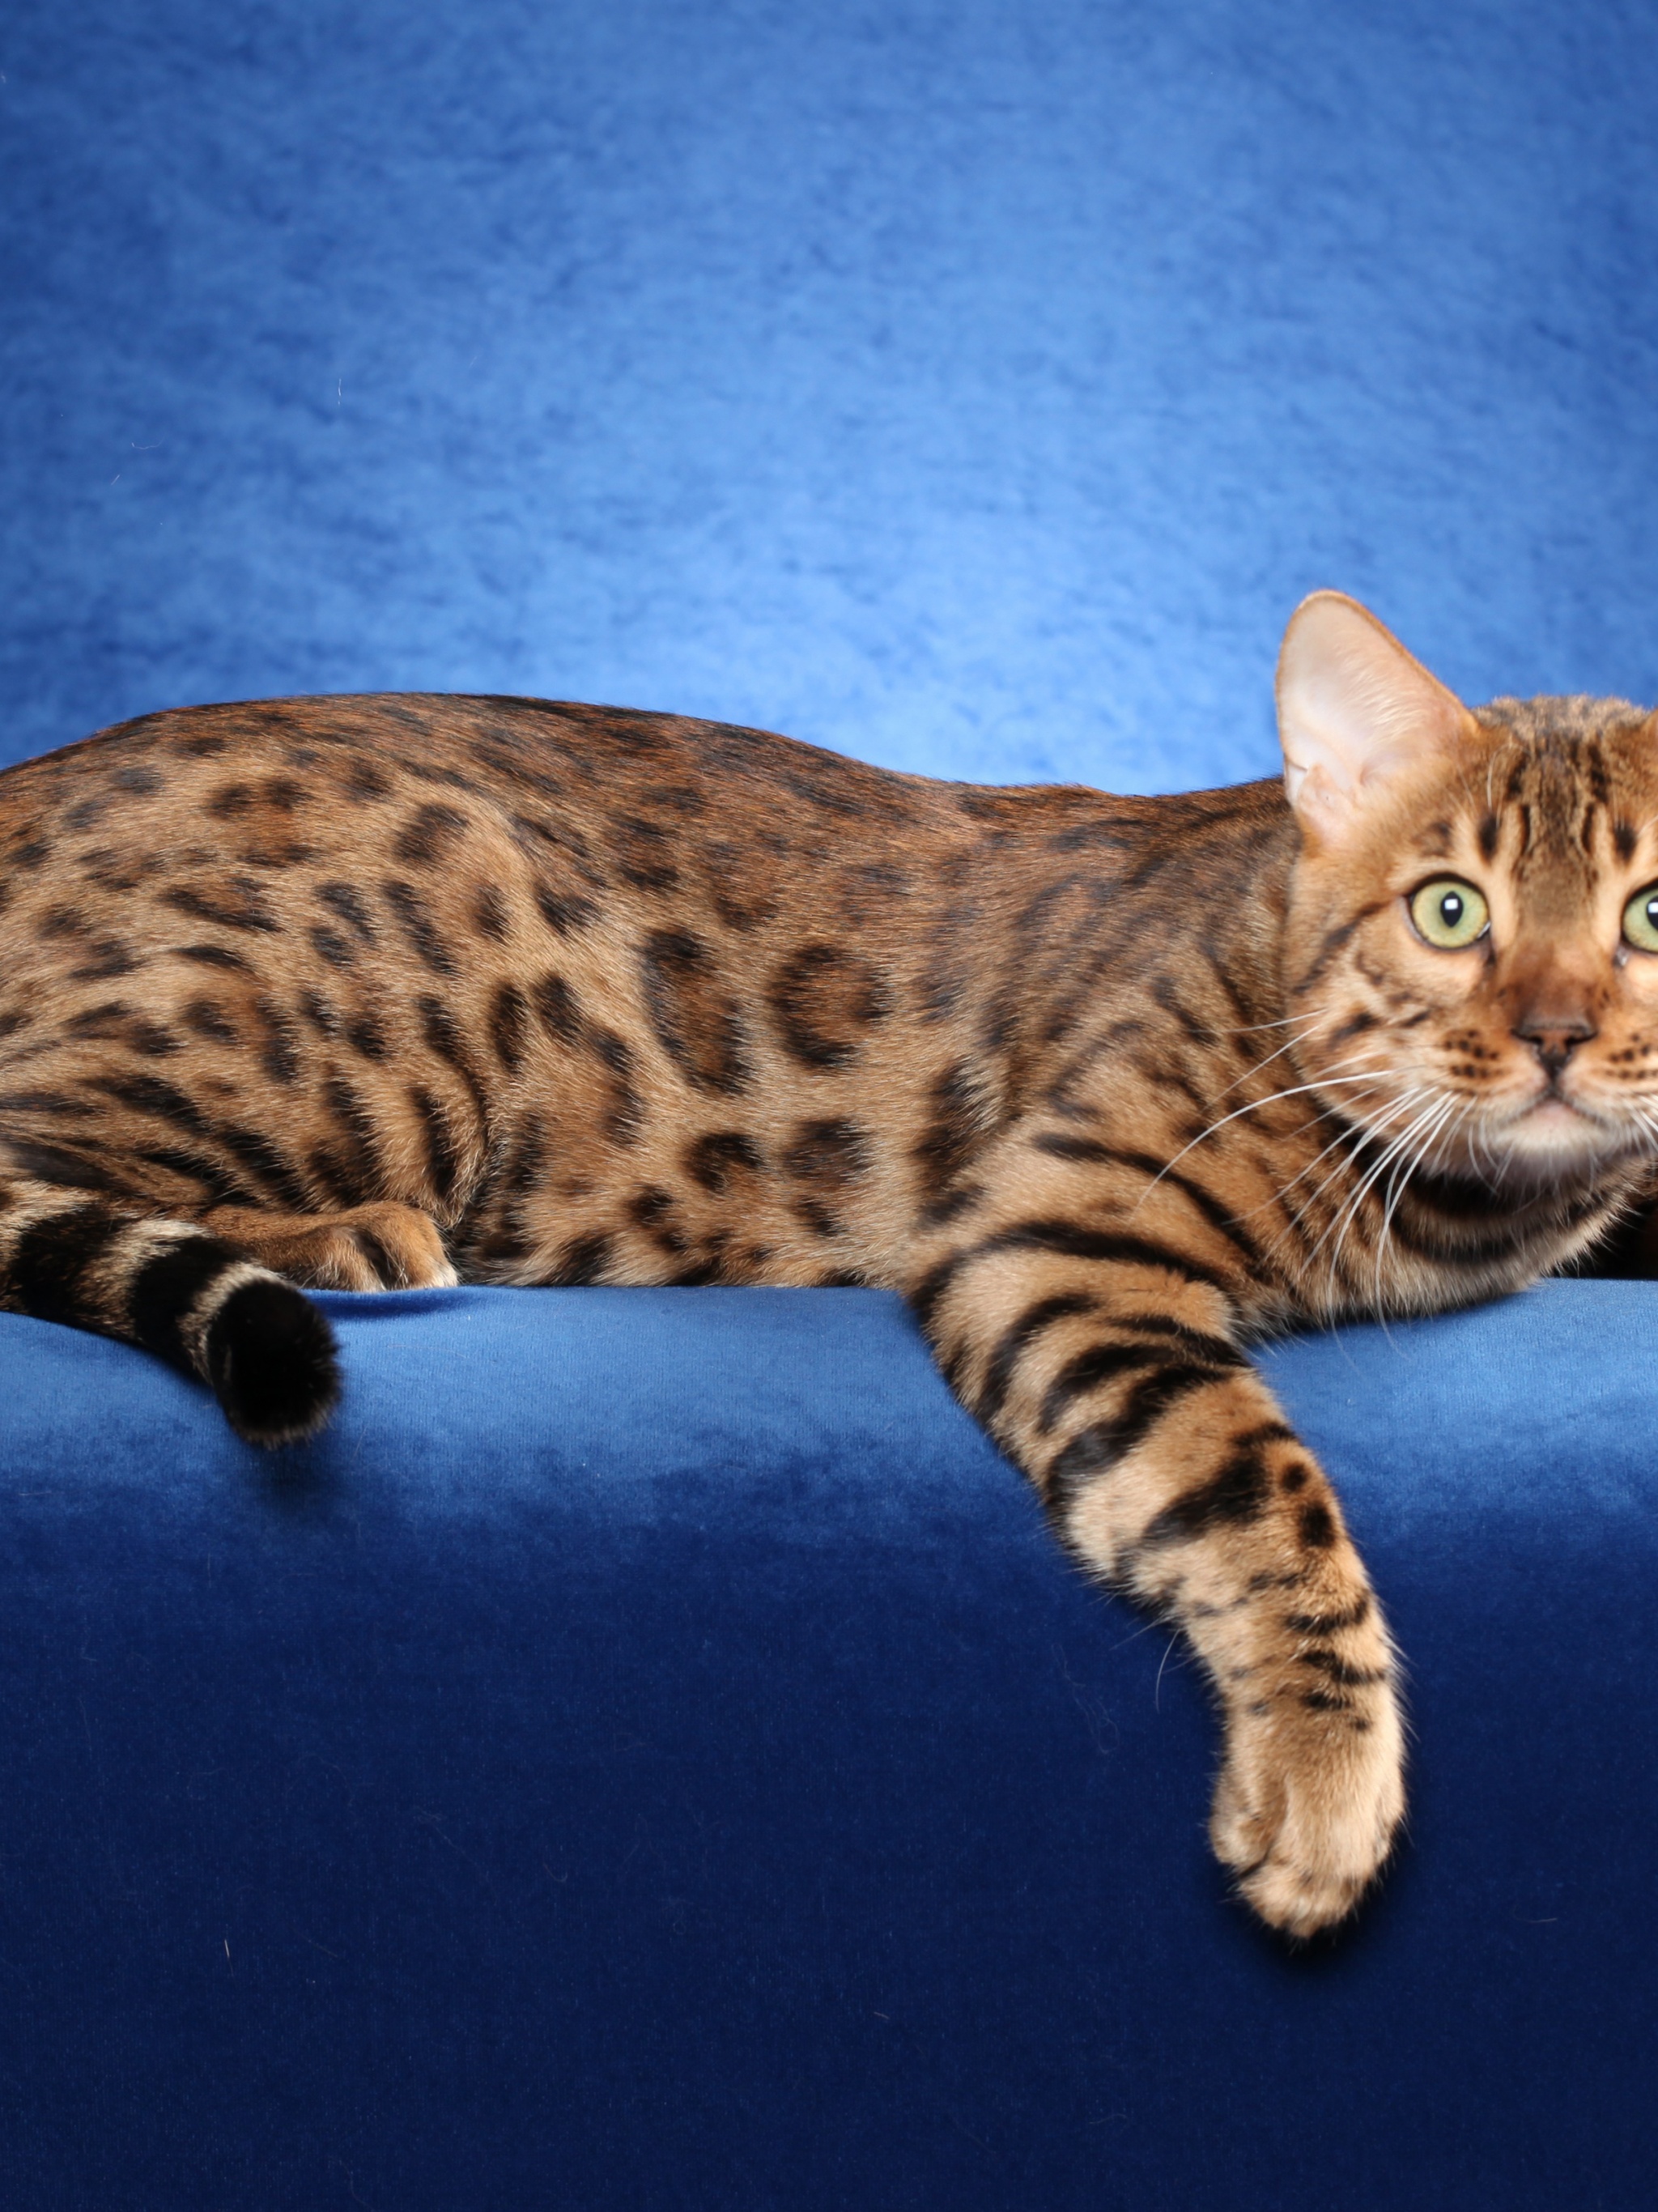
1355, 712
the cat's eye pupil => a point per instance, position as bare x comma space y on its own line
1450, 909
1652, 914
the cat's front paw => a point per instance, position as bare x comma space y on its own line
1310, 1800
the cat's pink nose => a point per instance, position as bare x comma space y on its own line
1554, 1037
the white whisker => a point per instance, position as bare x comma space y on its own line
1428, 1119
1289, 1046
1296, 1091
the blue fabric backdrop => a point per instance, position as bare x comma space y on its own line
628, 1762
971, 384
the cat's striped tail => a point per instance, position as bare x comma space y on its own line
263, 1349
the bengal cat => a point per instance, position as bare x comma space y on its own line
394, 991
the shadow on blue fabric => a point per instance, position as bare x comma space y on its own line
650, 1753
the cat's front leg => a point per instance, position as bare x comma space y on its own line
1169, 1470
1224, 1523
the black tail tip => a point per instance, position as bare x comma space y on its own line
271, 1362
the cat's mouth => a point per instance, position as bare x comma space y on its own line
1552, 1110
1555, 1133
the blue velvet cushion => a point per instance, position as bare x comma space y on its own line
650, 1752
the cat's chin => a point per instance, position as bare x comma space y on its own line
1554, 1142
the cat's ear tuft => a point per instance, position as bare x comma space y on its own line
1356, 712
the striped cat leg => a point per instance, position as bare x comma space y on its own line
173, 1289
382, 1246
1170, 1471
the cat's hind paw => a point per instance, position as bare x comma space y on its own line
382, 1246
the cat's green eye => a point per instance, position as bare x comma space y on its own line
1451, 914
1641, 920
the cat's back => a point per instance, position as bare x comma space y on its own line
606, 805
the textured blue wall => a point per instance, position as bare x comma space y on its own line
973, 387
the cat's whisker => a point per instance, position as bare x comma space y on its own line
1288, 1045
1296, 1091
1356, 1132
1436, 1107
1421, 1132
1281, 1196
1356, 1139
1397, 1182
1347, 1212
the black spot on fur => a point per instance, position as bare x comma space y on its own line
418, 927
509, 1026
560, 1014
365, 1035
153, 1041
107, 1020
64, 1170
583, 1261
563, 912
205, 955
345, 900
492, 914
332, 945
442, 1037
350, 1166
363, 780
713, 1160
829, 1154
624, 1114
823, 999
280, 1057
110, 957
443, 1162
431, 831
694, 1018
652, 1210
644, 851
320, 1013
817, 1217
1317, 1527
47, 1102
238, 905
956, 1126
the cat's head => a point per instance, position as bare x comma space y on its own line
1472, 954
